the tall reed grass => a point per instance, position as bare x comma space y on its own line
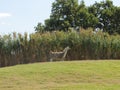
86, 44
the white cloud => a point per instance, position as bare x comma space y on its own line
4, 23
4, 15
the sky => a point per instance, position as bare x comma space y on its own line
23, 15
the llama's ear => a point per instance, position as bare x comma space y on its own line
68, 47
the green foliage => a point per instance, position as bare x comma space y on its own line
40, 28
63, 14
106, 13
67, 14
86, 44
116, 21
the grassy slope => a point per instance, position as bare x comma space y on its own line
78, 75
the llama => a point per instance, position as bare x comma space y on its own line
59, 55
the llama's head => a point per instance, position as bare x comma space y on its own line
66, 49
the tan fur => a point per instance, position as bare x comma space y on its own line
59, 55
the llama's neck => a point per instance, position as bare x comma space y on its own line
65, 52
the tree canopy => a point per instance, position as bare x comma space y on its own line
67, 14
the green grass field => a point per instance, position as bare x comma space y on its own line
74, 75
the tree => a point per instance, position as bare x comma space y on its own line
63, 14
68, 13
104, 11
84, 18
116, 21
40, 28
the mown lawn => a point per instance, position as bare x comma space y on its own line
74, 75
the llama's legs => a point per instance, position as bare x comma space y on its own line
51, 60
62, 59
